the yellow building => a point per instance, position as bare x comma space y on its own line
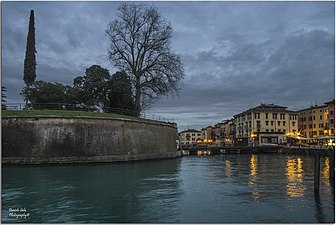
314, 121
228, 130
266, 123
190, 136
331, 117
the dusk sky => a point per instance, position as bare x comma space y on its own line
236, 55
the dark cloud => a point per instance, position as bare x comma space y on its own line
236, 55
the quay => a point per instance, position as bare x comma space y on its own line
194, 150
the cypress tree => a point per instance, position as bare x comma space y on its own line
29, 72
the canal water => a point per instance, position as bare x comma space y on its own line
268, 188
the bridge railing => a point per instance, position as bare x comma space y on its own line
82, 107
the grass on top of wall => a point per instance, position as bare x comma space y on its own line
65, 113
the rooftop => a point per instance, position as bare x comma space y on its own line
265, 108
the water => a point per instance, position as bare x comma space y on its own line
213, 189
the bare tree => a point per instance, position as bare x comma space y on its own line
140, 45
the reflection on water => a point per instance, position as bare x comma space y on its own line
325, 172
253, 176
206, 189
227, 168
295, 173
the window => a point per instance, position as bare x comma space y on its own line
321, 132
256, 115
331, 112
275, 115
283, 123
314, 125
258, 124
310, 126
284, 130
266, 122
272, 130
192, 134
313, 117
272, 123
279, 123
293, 123
267, 130
320, 117
266, 116
331, 121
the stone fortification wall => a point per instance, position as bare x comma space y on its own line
36, 140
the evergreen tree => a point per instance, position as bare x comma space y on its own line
121, 95
29, 72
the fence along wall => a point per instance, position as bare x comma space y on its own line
36, 140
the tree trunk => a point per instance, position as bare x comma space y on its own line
27, 97
137, 96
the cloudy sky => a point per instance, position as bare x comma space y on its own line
236, 55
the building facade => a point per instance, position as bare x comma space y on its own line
229, 131
266, 123
331, 117
190, 136
317, 121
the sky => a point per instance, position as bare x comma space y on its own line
236, 55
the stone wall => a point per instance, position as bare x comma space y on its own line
39, 139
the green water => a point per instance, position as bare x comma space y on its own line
213, 189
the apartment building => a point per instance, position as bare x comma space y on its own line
317, 121
331, 117
266, 123
190, 136
229, 131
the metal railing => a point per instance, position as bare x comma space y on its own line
85, 108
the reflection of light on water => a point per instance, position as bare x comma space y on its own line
325, 172
227, 168
253, 176
295, 187
253, 165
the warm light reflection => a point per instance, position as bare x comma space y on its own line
253, 165
253, 176
295, 187
227, 168
325, 172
